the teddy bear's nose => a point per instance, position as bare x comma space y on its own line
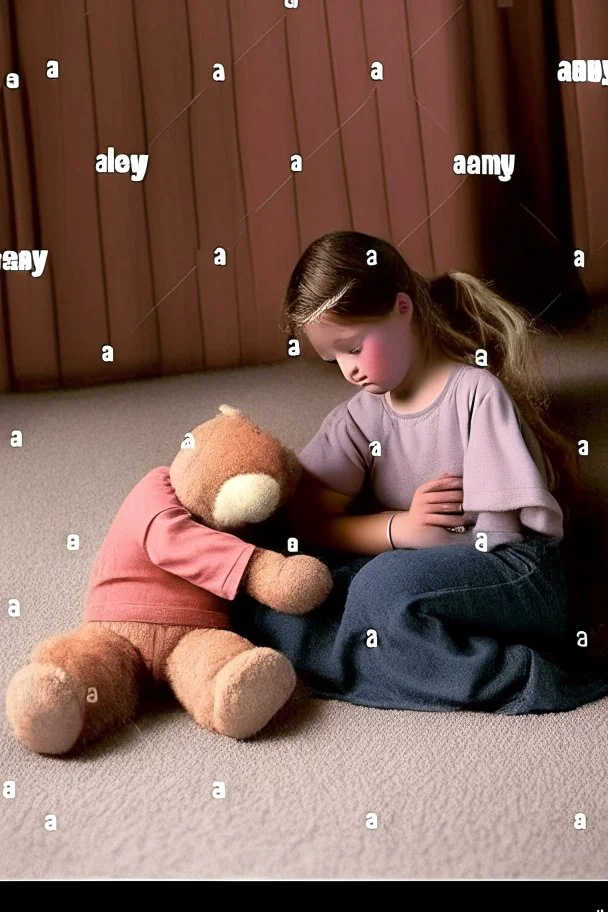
248, 498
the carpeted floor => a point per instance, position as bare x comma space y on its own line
458, 795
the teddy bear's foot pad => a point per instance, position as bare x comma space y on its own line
43, 709
250, 690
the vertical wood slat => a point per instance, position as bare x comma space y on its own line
362, 151
441, 62
5, 341
225, 314
122, 204
6, 232
491, 67
29, 301
64, 166
528, 78
583, 34
163, 46
401, 136
266, 142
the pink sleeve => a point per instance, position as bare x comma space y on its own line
213, 560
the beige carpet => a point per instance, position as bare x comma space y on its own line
458, 795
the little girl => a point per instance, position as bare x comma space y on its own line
457, 483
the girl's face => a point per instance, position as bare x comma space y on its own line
375, 355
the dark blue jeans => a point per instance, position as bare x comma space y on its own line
456, 629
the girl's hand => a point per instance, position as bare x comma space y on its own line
438, 503
435, 504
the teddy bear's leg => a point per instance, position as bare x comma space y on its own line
76, 687
226, 683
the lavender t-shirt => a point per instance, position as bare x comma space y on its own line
472, 429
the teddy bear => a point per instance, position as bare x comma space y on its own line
157, 608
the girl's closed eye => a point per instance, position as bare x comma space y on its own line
355, 351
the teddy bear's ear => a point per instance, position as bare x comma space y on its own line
229, 410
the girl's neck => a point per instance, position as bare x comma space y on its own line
424, 382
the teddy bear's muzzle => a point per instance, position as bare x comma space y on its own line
244, 499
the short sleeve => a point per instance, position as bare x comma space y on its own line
501, 480
337, 454
213, 560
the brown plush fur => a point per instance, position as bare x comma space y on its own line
88, 682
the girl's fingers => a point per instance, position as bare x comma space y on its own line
449, 482
454, 496
460, 519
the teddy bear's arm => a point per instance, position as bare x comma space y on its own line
213, 560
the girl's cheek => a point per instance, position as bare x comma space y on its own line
372, 366
375, 360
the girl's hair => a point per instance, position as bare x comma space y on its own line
456, 312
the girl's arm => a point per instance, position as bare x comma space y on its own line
356, 534
317, 518
368, 534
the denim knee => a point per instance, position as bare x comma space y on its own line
384, 570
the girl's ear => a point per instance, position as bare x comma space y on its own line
403, 302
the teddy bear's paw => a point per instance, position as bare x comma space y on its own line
290, 585
43, 709
250, 689
305, 583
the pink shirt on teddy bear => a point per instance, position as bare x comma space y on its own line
157, 564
